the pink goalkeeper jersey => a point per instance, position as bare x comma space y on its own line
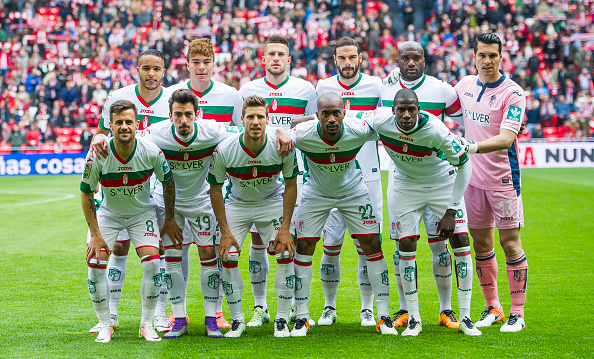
486, 110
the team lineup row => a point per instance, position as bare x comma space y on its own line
337, 156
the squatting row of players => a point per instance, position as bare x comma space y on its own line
231, 180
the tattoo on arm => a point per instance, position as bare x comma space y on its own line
92, 207
169, 197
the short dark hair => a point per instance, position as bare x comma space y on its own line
254, 101
120, 106
152, 52
183, 96
406, 93
489, 39
347, 41
276, 39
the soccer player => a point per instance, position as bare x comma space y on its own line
423, 148
287, 98
256, 196
359, 92
334, 181
216, 101
493, 107
150, 99
440, 99
124, 176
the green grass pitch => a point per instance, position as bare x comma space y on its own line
45, 310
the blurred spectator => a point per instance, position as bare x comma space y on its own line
548, 115
16, 138
33, 136
563, 109
566, 131
5, 132
537, 134
532, 115
86, 137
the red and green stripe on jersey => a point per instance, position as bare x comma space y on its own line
357, 103
125, 179
282, 105
183, 155
211, 112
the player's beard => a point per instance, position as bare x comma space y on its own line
255, 137
185, 131
145, 85
414, 77
126, 140
354, 73
274, 72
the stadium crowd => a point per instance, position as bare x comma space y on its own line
59, 60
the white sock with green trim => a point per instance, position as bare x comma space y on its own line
116, 273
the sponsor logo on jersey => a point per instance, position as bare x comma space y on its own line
125, 168
334, 168
274, 104
347, 93
190, 165
514, 114
331, 149
150, 112
479, 118
253, 162
256, 182
347, 104
276, 94
203, 102
406, 139
468, 94
398, 227
126, 191
200, 113
492, 100
281, 120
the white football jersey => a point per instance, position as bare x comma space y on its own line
423, 154
219, 102
294, 97
330, 169
363, 95
148, 112
126, 182
189, 159
435, 96
253, 177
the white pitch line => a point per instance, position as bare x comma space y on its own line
19, 204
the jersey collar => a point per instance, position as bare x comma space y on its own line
200, 95
423, 119
248, 152
489, 85
353, 85
328, 142
279, 85
180, 140
142, 101
414, 87
118, 157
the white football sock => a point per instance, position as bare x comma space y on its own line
442, 271
150, 287
116, 273
330, 274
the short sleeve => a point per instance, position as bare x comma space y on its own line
105, 118
237, 108
217, 171
161, 168
90, 176
312, 101
453, 106
513, 112
290, 167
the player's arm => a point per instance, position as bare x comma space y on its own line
284, 143
503, 141
300, 119
97, 243
170, 226
284, 240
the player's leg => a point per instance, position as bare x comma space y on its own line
510, 218
221, 321
333, 237
97, 279
143, 230
362, 224
481, 223
240, 221
311, 217
160, 316
258, 268
441, 261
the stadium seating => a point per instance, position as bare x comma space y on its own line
5, 148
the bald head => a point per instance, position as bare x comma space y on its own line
411, 60
406, 94
329, 99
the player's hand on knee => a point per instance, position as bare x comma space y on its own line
284, 242
284, 143
99, 146
96, 244
227, 241
447, 225
174, 232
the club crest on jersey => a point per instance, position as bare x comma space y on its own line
186, 156
405, 148
200, 113
300, 226
332, 158
492, 101
347, 104
255, 171
398, 227
274, 104
145, 122
125, 178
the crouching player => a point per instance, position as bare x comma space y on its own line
254, 197
124, 176
423, 148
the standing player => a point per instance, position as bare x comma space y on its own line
494, 107
216, 101
124, 176
334, 181
440, 99
150, 98
287, 98
422, 148
359, 92
254, 198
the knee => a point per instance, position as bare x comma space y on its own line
152, 266
510, 246
460, 240
306, 246
121, 248
408, 244
256, 239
